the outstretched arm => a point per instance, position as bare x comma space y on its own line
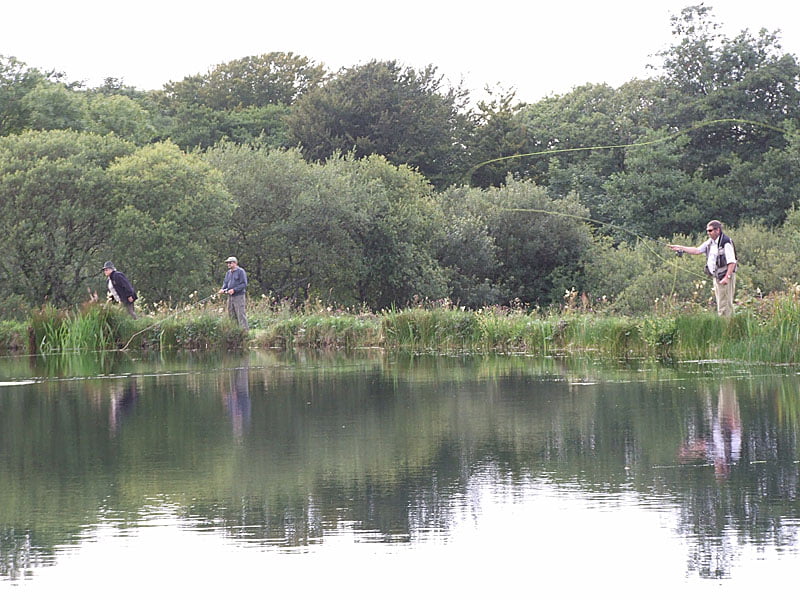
687, 249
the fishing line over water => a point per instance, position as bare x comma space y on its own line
639, 236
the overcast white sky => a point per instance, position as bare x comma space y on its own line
537, 47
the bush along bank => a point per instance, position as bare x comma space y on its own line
768, 332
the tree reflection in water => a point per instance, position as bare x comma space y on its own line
287, 454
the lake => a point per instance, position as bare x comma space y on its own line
395, 475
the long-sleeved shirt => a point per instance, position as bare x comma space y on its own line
235, 280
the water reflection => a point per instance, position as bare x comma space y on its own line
237, 400
123, 400
293, 452
719, 440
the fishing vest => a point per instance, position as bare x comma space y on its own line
722, 261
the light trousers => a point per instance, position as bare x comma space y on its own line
724, 295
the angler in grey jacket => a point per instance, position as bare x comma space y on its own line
234, 286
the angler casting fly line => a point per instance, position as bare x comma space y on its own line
660, 140
642, 238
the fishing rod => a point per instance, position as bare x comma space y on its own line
193, 305
173, 314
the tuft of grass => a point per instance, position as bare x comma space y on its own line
13, 336
90, 327
201, 332
322, 331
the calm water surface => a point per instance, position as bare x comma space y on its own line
395, 475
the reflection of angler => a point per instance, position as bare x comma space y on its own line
726, 433
723, 446
237, 401
122, 403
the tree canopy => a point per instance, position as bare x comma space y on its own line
380, 184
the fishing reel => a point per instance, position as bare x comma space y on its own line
679, 253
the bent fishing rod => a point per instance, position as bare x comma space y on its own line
170, 316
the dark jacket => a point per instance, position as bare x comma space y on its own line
235, 280
123, 286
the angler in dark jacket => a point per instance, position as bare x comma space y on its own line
120, 288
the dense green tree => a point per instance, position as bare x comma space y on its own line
382, 108
16, 80
711, 77
196, 126
244, 101
498, 135
467, 252
120, 115
173, 225
583, 126
653, 196
541, 242
572, 143
761, 190
398, 232
57, 212
267, 79
54, 106
293, 226
349, 231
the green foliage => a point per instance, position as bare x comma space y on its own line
268, 79
710, 76
93, 327
173, 221
397, 232
660, 334
242, 101
350, 231
466, 250
429, 329
498, 133
294, 223
54, 106
615, 336
120, 115
16, 81
323, 330
193, 126
13, 336
383, 108
202, 332
653, 195
540, 243
57, 212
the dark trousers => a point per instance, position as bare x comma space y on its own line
129, 307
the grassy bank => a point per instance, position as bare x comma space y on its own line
768, 331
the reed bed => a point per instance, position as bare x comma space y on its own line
339, 330
90, 327
768, 332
